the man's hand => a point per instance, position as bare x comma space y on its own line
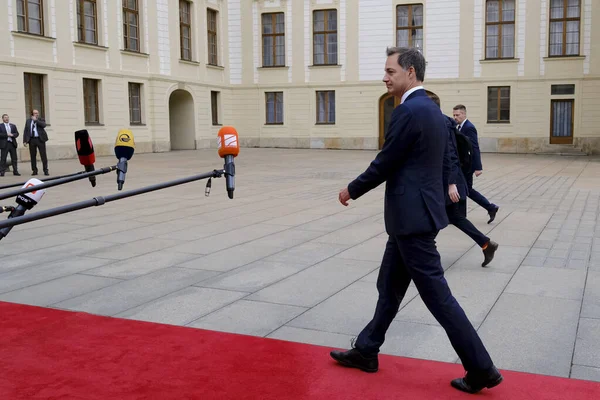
344, 196
477, 173
453, 193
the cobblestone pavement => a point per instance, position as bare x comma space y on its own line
285, 260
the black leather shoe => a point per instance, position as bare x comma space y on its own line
492, 214
475, 382
488, 253
46, 173
16, 173
353, 359
34, 173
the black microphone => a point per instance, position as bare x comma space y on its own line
124, 149
25, 202
85, 151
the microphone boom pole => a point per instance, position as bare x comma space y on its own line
56, 182
45, 180
100, 200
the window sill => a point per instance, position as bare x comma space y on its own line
94, 124
273, 123
275, 67
325, 66
135, 53
564, 58
499, 60
219, 67
33, 36
136, 125
90, 46
504, 124
189, 62
325, 123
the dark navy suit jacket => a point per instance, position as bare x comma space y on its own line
468, 129
411, 163
452, 163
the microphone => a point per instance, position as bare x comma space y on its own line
25, 202
85, 151
229, 148
124, 149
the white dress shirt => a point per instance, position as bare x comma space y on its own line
408, 93
7, 126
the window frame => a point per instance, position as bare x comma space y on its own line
82, 28
138, 85
212, 49
276, 95
26, 18
327, 107
564, 21
274, 35
500, 23
499, 107
214, 107
127, 26
29, 106
183, 4
410, 27
85, 101
326, 32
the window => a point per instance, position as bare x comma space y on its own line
274, 106
273, 36
211, 23
87, 28
325, 37
34, 93
564, 28
562, 89
326, 107
30, 16
214, 107
135, 103
90, 101
562, 121
131, 25
500, 29
498, 104
409, 26
185, 29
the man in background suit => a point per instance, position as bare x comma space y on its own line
411, 163
8, 144
36, 137
468, 129
456, 199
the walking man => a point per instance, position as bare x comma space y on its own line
412, 165
465, 127
8, 145
35, 135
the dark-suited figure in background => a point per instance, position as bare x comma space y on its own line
458, 191
35, 135
8, 144
467, 128
411, 163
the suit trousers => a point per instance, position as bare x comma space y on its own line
416, 258
475, 195
34, 145
9, 149
457, 215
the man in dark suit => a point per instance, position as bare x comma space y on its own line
456, 198
411, 163
465, 127
8, 145
36, 137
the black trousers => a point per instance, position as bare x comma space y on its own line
34, 145
12, 150
416, 258
476, 196
457, 214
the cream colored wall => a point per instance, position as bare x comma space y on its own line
357, 80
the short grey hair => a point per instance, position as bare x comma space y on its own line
409, 57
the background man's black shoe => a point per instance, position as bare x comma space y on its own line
475, 382
352, 358
489, 252
492, 214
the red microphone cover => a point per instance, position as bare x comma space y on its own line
228, 142
85, 148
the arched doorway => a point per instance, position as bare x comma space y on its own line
387, 103
182, 129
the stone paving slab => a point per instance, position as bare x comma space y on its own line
285, 260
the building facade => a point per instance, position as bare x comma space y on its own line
297, 73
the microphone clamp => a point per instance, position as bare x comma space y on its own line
6, 209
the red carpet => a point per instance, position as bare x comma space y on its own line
52, 354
